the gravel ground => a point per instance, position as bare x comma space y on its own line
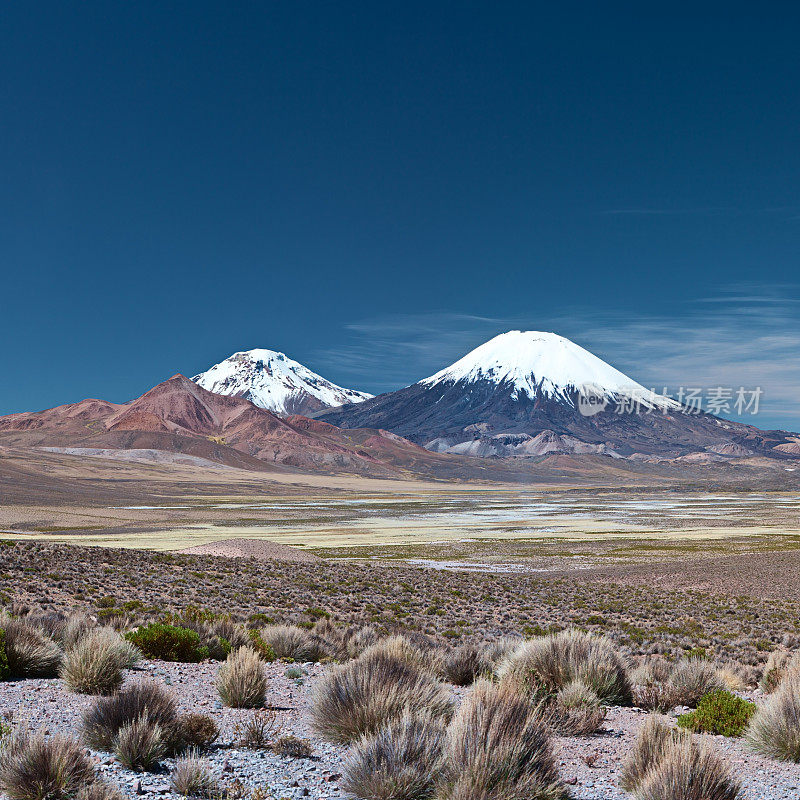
589, 764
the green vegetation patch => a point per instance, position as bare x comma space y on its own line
168, 642
719, 712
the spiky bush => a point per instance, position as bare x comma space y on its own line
196, 730
359, 697
241, 680
259, 730
463, 665
358, 640
192, 777
100, 790
168, 642
30, 652
648, 750
292, 747
140, 744
719, 712
780, 663
692, 678
400, 761
545, 665
688, 770
294, 644
576, 710
498, 748
774, 729
94, 664
107, 715
33, 767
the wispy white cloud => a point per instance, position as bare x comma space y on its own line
742, 337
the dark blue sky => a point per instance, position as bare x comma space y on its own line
374, 188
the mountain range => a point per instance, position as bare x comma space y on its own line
519, 398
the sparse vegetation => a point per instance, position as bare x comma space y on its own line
241, 681
192, 777
774, 729
94, 664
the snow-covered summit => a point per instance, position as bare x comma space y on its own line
276, 382
539, 363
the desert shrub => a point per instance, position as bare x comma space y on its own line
648, 750
241, 680
30, 652
359, 639
400, 761
688, 770
660, 697
779, 664
292, 746
74, 628
719, 712
692, 678
463, 665
361, 696
774, 729
196, 730
402, 648
732, 677
293, 643
33, 767
653, 670
259, 730
99, 790
103, 720
94, 664
5, 672
192, 777
140, 744
576, 710
498, 650
498, 748
168, 642
545, 665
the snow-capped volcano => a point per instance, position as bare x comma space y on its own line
276, 382
529, 393
540, 364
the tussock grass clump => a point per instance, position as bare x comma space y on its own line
359, 639
780, 663
192, 777
293, 643
100, 790
648, 749
498, 748
292, 747
168, 642
241, 680
719, 712
692, 678
576, 710
544, 665
463, 665
35, 768
94, 664
259, 730
688, 770
30, 652
140, 744
401, 648
359, 697
774, 729
103, 720
402, 760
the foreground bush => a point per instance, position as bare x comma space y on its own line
774, 729
29, 652
498, 748
576, 711
35, 768
94, 664
402, 760
106, 717
719, 712
294, 644
168, 642
192, 777
780, 663
463, 665
669, 764
545, 665
196, 730
241, 681
359, 697
140, 744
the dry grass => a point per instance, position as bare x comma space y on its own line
359, 697
463, 665
293, 643
692, 678
774, 729
196, 730
192, 777
241, 680
402, 760
259, 730
140, 744
498, 748
103, 720
780, 663
292, 747
547, 664
94, 664
33, 767
576, 710
648, 750
30, 652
